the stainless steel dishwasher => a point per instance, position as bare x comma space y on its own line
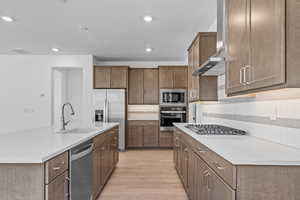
81, 171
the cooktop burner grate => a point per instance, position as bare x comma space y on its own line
213, 129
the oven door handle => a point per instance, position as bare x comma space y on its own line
173, 112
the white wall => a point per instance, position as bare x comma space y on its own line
25, 85
273, 115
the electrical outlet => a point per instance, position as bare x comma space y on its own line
29, 110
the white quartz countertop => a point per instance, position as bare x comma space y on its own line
247, 150
40, 145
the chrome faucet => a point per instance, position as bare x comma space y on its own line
65, 123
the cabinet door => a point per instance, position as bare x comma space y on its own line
180, 77
151, 136
190, 77
216, 188
116, 146
165, 78
97, 171
58, 188
102, 77
150, 86
166, 139
196, 64
135, 136
136, 86
267, 65
184, 164
237, 44
176, 149
119, 77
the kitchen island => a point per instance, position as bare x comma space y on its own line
34, 165
243, 167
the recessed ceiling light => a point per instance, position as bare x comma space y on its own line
55, 49
148, 18
7, 19
148, 49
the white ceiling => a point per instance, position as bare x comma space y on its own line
116, 32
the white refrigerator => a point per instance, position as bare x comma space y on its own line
112, 103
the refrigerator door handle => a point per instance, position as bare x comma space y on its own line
107, 111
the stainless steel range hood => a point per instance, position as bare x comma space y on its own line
215, 65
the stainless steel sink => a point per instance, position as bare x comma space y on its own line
78, 131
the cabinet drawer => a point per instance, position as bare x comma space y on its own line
56, 166
222, 167
58, 188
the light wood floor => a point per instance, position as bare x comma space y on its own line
144, 175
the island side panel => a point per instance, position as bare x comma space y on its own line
268, 182
22, 181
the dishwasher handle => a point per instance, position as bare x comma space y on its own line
82, 152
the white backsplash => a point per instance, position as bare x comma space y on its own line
273, 115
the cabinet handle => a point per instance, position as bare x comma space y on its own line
219, 167
206, 179
66, 188
241, 75
201, 150
56, 168
248, 69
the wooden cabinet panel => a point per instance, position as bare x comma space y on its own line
58, 188
56, 166
267, 37
119, 77
105, 158
143, 133
190, 77
166, 139
136, 86
180, 78
237, 50
151, 136
216, 188
184, 164
102, 77
200, 50
151, 86
165, 78
135, 135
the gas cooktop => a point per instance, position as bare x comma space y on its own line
213, 129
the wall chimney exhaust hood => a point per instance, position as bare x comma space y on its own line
215, 65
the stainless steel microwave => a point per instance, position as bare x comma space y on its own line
173, 97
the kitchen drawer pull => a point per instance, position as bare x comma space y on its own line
219, 167
56, 168
201, 150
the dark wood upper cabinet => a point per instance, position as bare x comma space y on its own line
201, 89
136, 86
102, 77
119, 77
180, 77
165, 78
261, 50
173, 77
143, 86
151, 86
106, 77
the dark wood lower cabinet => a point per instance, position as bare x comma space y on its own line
105, 158
166, 139
199, 179
143, 133
58, 188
